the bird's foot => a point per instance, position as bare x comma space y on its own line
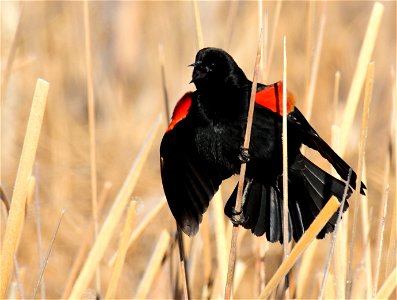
244, 156
238, 218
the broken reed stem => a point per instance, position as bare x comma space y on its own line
331, 251
141, 227
91, 130
388, 286
273, 40
247, 137
314, 69
285, 167
42, 269
361, 155
87, 240
113, 218
153, 265
360, 72
17, 208
310, 234
122, 251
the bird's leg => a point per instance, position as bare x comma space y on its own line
244, 156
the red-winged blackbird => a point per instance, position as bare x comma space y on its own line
203, 146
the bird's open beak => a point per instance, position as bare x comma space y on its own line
199, 72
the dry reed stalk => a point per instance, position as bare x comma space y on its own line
310, 234
265, 45
360, 72
238, 207
91, 130
389, 285
308, 49
197, 20
122, 251
141, 227
305, 269
331, 251
361, 156
336, 98
314, 69
260, 248
77, 263
31, 190
366, 236
42, 269
206, 247
17, 208
309, 96
273, 39
391, 249
381, 227
38, 230
194, 259
231, 17
240, 271
4, 199
286, 245
18, 279
163, 82
178, 230
153, 265
87, 240
113, 218
29, 196
329, 290
260, 27
340, 252
220, 240
10, 60
182, 263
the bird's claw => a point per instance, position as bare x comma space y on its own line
244, 156
238, 218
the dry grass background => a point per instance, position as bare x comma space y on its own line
125, 38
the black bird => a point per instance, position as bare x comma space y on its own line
203, 146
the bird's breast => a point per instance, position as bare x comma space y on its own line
219, 144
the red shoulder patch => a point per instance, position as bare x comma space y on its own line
181, 109
271, 98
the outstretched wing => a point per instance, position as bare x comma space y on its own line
312, 139
189, 182
271, 97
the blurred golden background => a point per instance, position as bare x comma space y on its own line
43, 39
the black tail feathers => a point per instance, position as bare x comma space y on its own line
309, 189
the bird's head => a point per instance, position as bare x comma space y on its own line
214, 68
